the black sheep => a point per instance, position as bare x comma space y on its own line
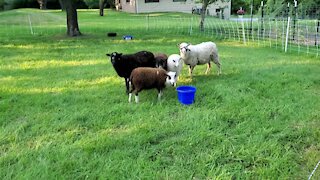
124, 64
161, 61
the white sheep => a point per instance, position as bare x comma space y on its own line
202, 53
175, 64
149, 78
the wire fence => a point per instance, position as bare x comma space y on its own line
290, 34
287, 34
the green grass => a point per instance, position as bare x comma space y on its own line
64, 112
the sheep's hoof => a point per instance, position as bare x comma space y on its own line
136, 98
129, 99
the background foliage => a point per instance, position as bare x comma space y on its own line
306, 8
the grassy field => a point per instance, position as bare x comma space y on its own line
64, 113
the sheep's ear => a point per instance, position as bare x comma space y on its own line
170, 73
108, 54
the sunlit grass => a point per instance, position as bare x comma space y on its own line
48, 63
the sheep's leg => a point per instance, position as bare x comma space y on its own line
130, 92
190, 70
217, 62
136, 92
208, 68
159, 94
130, 95
136, 98
127, 84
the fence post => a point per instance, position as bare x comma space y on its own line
247, 32
317, 36
243, 32
298, 40
251, 16
270, 32
229, 29
220, 30
282, 34
307, 31
261, 32
147, 17
238, 31
287, 35
191, 22
288, 9
316, 39
234, 34
276, 33
252, 35
294, 19
30, 24
215, 26
258, 33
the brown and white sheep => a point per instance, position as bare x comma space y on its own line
149, 78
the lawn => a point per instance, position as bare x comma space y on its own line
64, 113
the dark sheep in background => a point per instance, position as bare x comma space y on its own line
124, 64
161, 61
149, 78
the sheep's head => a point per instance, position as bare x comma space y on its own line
171, 78
184, 49
114, 57
161, 63
175, 59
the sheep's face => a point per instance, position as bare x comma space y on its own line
184, 50
176, 61
161, 63
171, 78
114, 57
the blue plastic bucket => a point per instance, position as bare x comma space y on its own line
186, 94
127, 37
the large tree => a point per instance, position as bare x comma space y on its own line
101, 6
205, 4
70, 7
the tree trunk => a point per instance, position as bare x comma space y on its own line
62, 5
203, 14
42, 4
72, 17
101, 6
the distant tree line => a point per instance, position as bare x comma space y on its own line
278, 8
51, 4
